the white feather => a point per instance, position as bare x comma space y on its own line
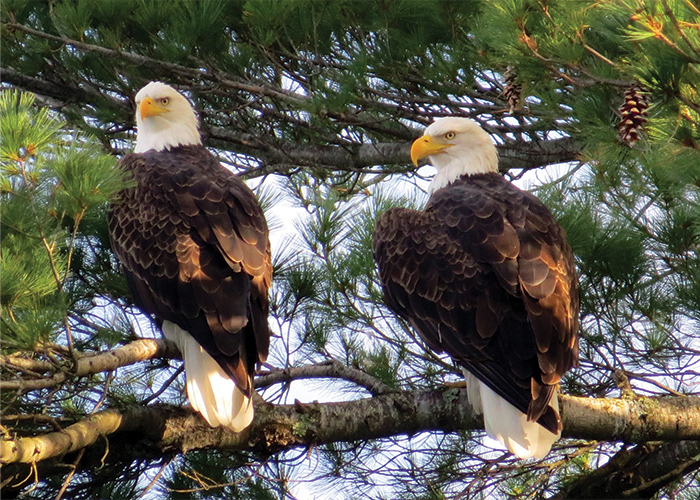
211, 392
509, 425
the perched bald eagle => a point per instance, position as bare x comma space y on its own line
486, 275
193, 243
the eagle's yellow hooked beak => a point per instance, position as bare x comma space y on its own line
426, 146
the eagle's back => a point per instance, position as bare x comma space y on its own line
193, 242
485, 274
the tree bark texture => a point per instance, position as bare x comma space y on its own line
164, 430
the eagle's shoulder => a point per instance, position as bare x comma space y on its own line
480, 193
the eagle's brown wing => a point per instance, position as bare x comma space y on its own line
193, 242
485, 275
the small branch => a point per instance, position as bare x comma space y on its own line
134, 352
141, 60
330, 369
69, 477
669, 12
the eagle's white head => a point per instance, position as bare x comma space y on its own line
164, 119
455, 147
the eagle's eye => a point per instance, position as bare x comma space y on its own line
450, 135
164, 100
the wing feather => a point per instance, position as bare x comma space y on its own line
485, 274
194, 245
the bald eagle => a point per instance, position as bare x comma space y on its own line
484, 273
193, 242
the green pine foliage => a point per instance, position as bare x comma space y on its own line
54, 184
220, 479
57, 270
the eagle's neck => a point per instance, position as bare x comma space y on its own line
459, 161
159, 134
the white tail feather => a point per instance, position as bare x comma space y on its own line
211, 392
509, 425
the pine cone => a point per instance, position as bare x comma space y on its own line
512, 92
634, 115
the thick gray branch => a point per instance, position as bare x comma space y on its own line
530, 155
361, 157
637, 472
165, 430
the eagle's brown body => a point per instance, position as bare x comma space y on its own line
485, 274
193, 242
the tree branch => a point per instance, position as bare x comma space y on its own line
631, 420
186, 71
63, 94
360, 157
329, 369
352, 157
638, 472
160, 430
139, 350
531, 155
144, 349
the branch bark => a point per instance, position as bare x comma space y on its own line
139, 350
631, 420
636, 472
361, 157
330, 369
162, 430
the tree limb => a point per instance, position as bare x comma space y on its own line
144, 349
631, 420
189, 72
139, 350
636, 472
361, 157
160, 430
61, 93
329, 369
276, 157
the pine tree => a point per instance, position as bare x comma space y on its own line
315, 104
